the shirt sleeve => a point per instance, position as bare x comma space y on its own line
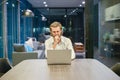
46, 48
70, 46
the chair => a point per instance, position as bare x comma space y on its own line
79, 50
4, 66
116, 68
78, 47
19, 47
17, 57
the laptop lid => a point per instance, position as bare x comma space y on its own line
59, 56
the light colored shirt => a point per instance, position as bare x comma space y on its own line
64, 44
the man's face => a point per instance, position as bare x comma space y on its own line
56, 31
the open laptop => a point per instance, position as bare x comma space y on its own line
59, 56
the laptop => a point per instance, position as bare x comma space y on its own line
59, 56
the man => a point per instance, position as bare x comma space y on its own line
57, 41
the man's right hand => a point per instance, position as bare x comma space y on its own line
56, 41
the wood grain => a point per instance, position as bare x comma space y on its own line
80, 69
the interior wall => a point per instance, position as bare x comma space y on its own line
106, 26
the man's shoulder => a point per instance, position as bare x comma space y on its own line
49, 39
65, 38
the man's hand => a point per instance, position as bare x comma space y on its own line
57, 40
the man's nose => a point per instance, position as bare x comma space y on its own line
56, 33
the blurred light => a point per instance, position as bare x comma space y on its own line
28, 13
13, 5
46, 5
44, 2
80, 5
33, 29
83, 2
65, 16
6, 2
44, 18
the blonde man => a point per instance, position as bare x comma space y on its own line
57, 41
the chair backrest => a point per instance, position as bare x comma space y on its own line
4, 66
116, 68
19, 47
79, 47
17, 57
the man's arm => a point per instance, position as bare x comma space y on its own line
48, 45
46, 48
71, 48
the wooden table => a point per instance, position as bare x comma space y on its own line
80, 69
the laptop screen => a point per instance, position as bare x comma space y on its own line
59, 56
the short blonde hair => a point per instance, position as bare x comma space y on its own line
56, 24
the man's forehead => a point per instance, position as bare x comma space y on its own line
55, 28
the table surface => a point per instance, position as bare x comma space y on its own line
80, 69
